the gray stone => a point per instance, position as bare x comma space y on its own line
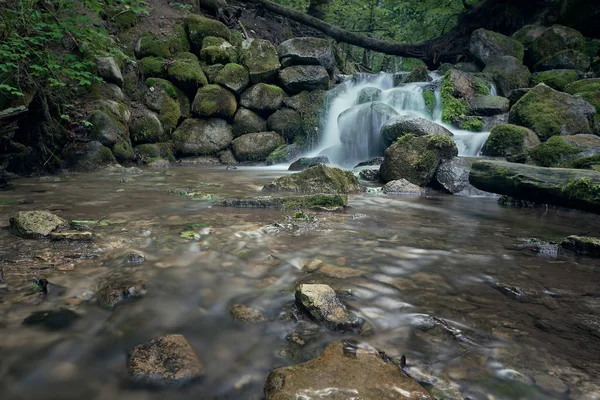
245, 314
304, 77
286, 122
401, 125
488, 105
147, 128
36, 224
323, 305
88, 156
509, 73
317, 179
246, 121
566, 59
260, 59
109, 70
556, 39
453, 175
368, 95
202, 136
487, 46
307, 162
402, 186
307, 51
256, 146
105, 129
263, 97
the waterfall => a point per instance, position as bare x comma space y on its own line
361, 105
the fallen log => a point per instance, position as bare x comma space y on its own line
572, 188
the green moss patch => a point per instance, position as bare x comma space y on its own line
554, 152
473, 124
557, 79
453, 109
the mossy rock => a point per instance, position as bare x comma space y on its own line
416, 159
508, 140
149, 151
88, 156
486, 46
247, 121
36, 224
286, 122
118, 110
234, 77
123, 151
557, 79
167, 100
589, 90
106, 128
211, 71
471, 123
298, 78
278, 156
454, 108
202, 136
317, 179
186, 73
548, 112
199, 27
224, 53
555, 39
318, 202
368, 95
555, 152
147, 128
261, 59
214, 101
263, 97
419, 74
527, 34
152, 67
256, 146
121, 18
509, 73
566, 59
151, 45
310, 106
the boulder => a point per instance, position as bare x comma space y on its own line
150, 152
487, 46
306, 51
548, 112
88, 156
317, 179
453, 176
123, 151
36, 224
214, 101
317, 202
227, 158
557, 79
151, 45
362, 124
306, 162
211, 71
165, 361
579, 151
263, 98
116, 109
245, 314
310, 106
582, 245
509, 140
488, 105
170, 103
323, 305
234, 77
589, 90
152, 67
528, 34
108, 91
106, 129
401, 125
416, 159
419, 74
199, 27
556, 39
572, 188
109, 70
286, 122
256, 146
304, 77
370, 174
146, 128
402, 186
368, 95
344, 371
260, 59
284, 154
246, 121
202, 136
509, 73
217, 50
566, 59
186, 73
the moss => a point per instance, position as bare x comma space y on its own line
505, 140
151, 46
121, 19
163, 84
152, 67
429, 99
214, 41
131, 86
146, 130
186, 72
170, 114
278, 156
453, 109
582, 189
591, 162
261, 60
199, 27
317, 179
237, 38
481, 88
557, 79
314, 201
473, 124
584, 85
223, 54
310, 108
149, 152
123, 151
510, 46
213, 100
552, 153
233, 76
444, 145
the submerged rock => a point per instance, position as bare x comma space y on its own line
53, 320
583, 245
36, 224
164, 361
323, 305
242, 313
318, 179
118, 290
307, 162
322, 202
402, 186
344, 371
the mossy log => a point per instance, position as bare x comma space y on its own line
564, 187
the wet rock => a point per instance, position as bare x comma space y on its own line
165, 361
109, 70
234, 77
263, 98
306, 162
117, 290
370, 174
371, 162
256, 146
549, 112
318, 179
306, 51
554, 40
227, 158
78, 236
583, 245
199, 27
368, 95
214, 101
344, 371
246, 121
106, 129
242, 313
557, 79
147, 128
453, 175
202, 136
285, 154
486, 46
304, 77
508, 73
321, 202
355, 124
402, 186
566, 59
550, 383
323, 305
419, 74
488, 105
53, 320
36, 224
88, 156
508, 140
286, 122
260, 59
134, 258
396, 127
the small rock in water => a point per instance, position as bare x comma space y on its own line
164, 361
134, 257
377, 161
344, 371
72, 235
583, 245
312, 265
307, 162
402, 186
370, 174
54, 320
36, 224
116, 291
323, 305
242, 313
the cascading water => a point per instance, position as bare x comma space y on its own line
364, 103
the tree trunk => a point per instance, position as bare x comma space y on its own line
572, 188
503, 16
318, 8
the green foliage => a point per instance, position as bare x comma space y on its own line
452, 108
474, 124
481, 88
429, 98
279, 155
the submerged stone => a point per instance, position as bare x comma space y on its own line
242, 313
53, 320
583, 245
165, 361
317, 179
323, 305
322, 202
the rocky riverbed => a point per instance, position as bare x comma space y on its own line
447, 297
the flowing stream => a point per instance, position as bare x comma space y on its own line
457, 285
354, 119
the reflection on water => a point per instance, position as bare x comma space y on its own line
433, 276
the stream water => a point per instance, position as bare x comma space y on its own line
456, 284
